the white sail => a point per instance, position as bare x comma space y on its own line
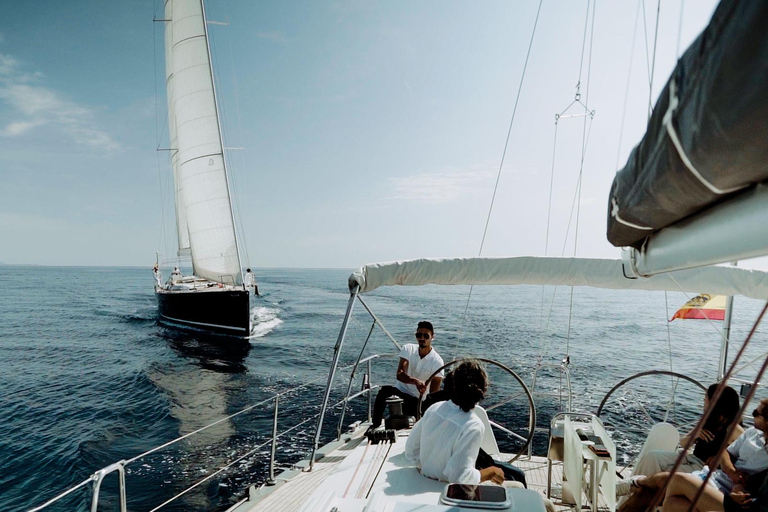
597, 273
181, 218
201, 180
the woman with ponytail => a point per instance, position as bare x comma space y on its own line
446, 441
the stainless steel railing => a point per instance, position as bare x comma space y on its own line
95, 480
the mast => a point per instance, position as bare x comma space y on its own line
221, 139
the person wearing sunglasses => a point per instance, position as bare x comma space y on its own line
417, 362
747, 456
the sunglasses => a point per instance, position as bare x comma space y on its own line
757, 413
424, 335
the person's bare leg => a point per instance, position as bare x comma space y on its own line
638, 501
683, 488
675, 503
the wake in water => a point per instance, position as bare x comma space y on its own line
264, 319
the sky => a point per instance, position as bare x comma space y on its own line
370, 131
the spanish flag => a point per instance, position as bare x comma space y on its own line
703, 307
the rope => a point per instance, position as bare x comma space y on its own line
501, 164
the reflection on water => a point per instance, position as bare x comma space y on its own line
202, 388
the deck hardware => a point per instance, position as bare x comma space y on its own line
370, 391
99, 477
351, 380
271, 480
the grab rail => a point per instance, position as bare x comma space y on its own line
120, 468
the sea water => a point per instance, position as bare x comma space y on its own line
88, 377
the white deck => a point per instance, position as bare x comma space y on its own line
356, 474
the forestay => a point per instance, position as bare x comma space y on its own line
201, 180
596, 273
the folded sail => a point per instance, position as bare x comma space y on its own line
707, 138
201, 181
596, 273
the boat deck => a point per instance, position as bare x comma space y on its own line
351, 470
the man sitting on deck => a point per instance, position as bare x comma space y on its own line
446, 441
417, 363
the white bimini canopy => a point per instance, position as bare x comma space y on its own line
597, 273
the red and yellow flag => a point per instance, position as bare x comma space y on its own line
703, 307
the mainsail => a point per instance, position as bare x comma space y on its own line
204, 212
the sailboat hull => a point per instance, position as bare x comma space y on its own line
223, 311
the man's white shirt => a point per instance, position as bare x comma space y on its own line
419, 367
445, 443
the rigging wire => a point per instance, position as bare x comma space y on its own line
501, 164
677, 55
230, 163
626, 91
584, 142
545, 347
679, 29
673, 383
647, 54
653, 62
240, 137
650, 112
584, 138
549, 219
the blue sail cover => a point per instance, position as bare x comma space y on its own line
707, 139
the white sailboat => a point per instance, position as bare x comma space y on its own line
215, 297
